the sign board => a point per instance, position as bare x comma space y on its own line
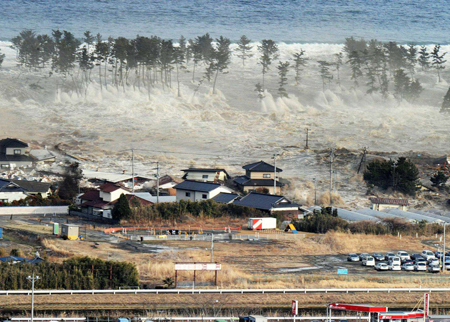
294, 307
342, 271
198, 267
426, 304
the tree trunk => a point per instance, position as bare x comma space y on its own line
178, 82
100, 76
215, 79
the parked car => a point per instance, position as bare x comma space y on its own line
403, 255
420, 266
427, 254
420, 260
415, 256
433, 261
438, 254
378, 256
353, 257
368, 261
395, 260
381, 267
363, 255
434, 268
408, 267
395, 267
388, 255
447, 265
408, 261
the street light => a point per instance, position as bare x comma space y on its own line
443, 252
32, 279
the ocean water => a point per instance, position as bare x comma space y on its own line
306, 21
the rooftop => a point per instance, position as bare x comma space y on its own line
109, 187
12, 143
264, 201
33, 186
260, 166
107, 176
224, 197
203, 170
197, 186
389, 201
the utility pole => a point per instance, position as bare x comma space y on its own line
32, 279
394, 165
307, 139
132, 169
157, 182
315, 192
443, 253
275, 174
212, 246
363, 159
331, 173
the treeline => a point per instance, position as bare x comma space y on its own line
37, 200
324, 220
143, 62
73, 274
176, 210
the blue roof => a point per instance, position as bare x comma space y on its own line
224, 197
197, 186
35, 260
264, 201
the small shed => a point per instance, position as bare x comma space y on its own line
70, 231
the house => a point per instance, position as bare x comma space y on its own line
100, 177
381, 204
14, 154
259, 176
43, 156
225, 197
272, 204
101, 202
9, 191
34, 188
206, 175
16, 260
166, 183
155, 199
197, 191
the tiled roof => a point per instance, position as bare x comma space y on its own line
33, 186
109, 187
12, 143
197, 186
260, 166
203, 170
8, 186
225, 197
264, 201
389, 201
91, 195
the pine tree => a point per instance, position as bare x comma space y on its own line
424, 58
438, 60
299, 63
88, 39
244, 49
384, 82
182, 47
439, 179
414, 90
354, 60
446, 103
325, 74
339, 60
2, 58
221, 58
121, 209
282, 72
411, 58
371, 79
401, 84
269, 52
179, 61
260, 90
69, 187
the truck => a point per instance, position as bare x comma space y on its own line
262, 223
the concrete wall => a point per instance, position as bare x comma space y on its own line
382, 207
49, 210
10, 151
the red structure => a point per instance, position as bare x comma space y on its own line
379, 313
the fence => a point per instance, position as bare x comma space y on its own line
34, 210
197, 237
190, 318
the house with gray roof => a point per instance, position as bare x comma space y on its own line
206, 174
9, 191
225, 197
14, 154
198, 191
259, 176
273, 204
34, 187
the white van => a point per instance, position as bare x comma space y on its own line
403, 255
427, 254
395, 260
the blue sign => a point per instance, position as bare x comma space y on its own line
342, 271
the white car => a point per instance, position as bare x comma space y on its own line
395, 267
403, 255
427, 254
447, 265
395, 260
408, 267
368, 261
420, 266
363, 255
381, 267
434, 261
434, 268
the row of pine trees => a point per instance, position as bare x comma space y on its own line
143, 62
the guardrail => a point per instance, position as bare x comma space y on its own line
193, 318
229, 291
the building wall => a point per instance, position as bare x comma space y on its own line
260, 175
111, 196
12, 165
10, 151
270, 188
210, 176
12, 196
382, 207
199, 195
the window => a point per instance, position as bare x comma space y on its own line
188, 194
266, 175
205, 176
204, 196
17, 151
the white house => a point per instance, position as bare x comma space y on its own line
14, 153
110, 192
197, 191
206, 175
9, 191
